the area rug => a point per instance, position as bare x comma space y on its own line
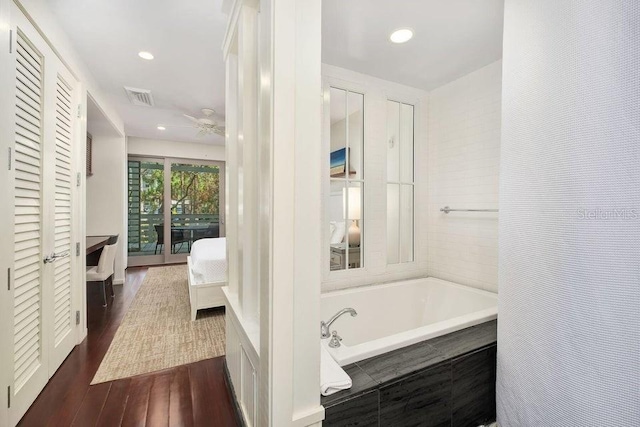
157, 332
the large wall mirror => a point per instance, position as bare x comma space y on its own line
346, 174
400, 182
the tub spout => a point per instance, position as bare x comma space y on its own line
324, 326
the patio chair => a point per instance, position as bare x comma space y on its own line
212, 231
180, 237
160, 237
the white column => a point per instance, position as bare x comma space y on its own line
276, 166
231, 171
248, 174
293, 337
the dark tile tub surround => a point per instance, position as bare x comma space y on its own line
445, 381
408, 401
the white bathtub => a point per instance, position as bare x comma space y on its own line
396, 315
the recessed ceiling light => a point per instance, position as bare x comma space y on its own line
145, 55
161, 128
401, 35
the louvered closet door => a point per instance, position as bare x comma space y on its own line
62, 339
44, 329
30, 362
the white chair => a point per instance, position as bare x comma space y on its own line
103, 272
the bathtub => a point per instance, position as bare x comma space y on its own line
395, 315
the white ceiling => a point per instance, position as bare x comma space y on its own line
452, 38
186, 75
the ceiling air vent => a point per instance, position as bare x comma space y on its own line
140, 97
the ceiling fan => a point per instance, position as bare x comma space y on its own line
207, 125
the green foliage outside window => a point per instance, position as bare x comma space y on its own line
195, 199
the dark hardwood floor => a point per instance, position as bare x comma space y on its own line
188, 395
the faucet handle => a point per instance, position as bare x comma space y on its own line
335, 340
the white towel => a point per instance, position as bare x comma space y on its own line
332, 377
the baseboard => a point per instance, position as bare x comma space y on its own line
118, 282
236, 404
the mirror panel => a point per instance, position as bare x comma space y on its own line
406, 143
338, 135
406, 223
393, 223
356, 134
393, 141
346, 175
400, 182
337, 225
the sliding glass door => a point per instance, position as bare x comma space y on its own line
195, 205
146, 211
172, 204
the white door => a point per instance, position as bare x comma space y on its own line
41, 283
59, 197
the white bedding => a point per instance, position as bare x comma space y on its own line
209, 260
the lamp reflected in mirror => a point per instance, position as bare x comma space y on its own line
352, 202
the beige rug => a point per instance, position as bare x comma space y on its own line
157, 332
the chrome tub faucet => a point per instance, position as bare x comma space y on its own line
324, 326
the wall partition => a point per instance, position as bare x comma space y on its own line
272, 55
172, 203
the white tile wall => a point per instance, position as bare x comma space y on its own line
464, 161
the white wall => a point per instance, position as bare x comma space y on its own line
106, 195
177, 149
569, 302
464, 166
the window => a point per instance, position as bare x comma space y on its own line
400, 182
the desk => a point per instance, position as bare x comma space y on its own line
94, 248
96, 242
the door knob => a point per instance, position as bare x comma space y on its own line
54, 257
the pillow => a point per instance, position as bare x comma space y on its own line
338, 233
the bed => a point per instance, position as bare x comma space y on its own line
207, 264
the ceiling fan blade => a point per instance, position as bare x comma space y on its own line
178, 127
193, 119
